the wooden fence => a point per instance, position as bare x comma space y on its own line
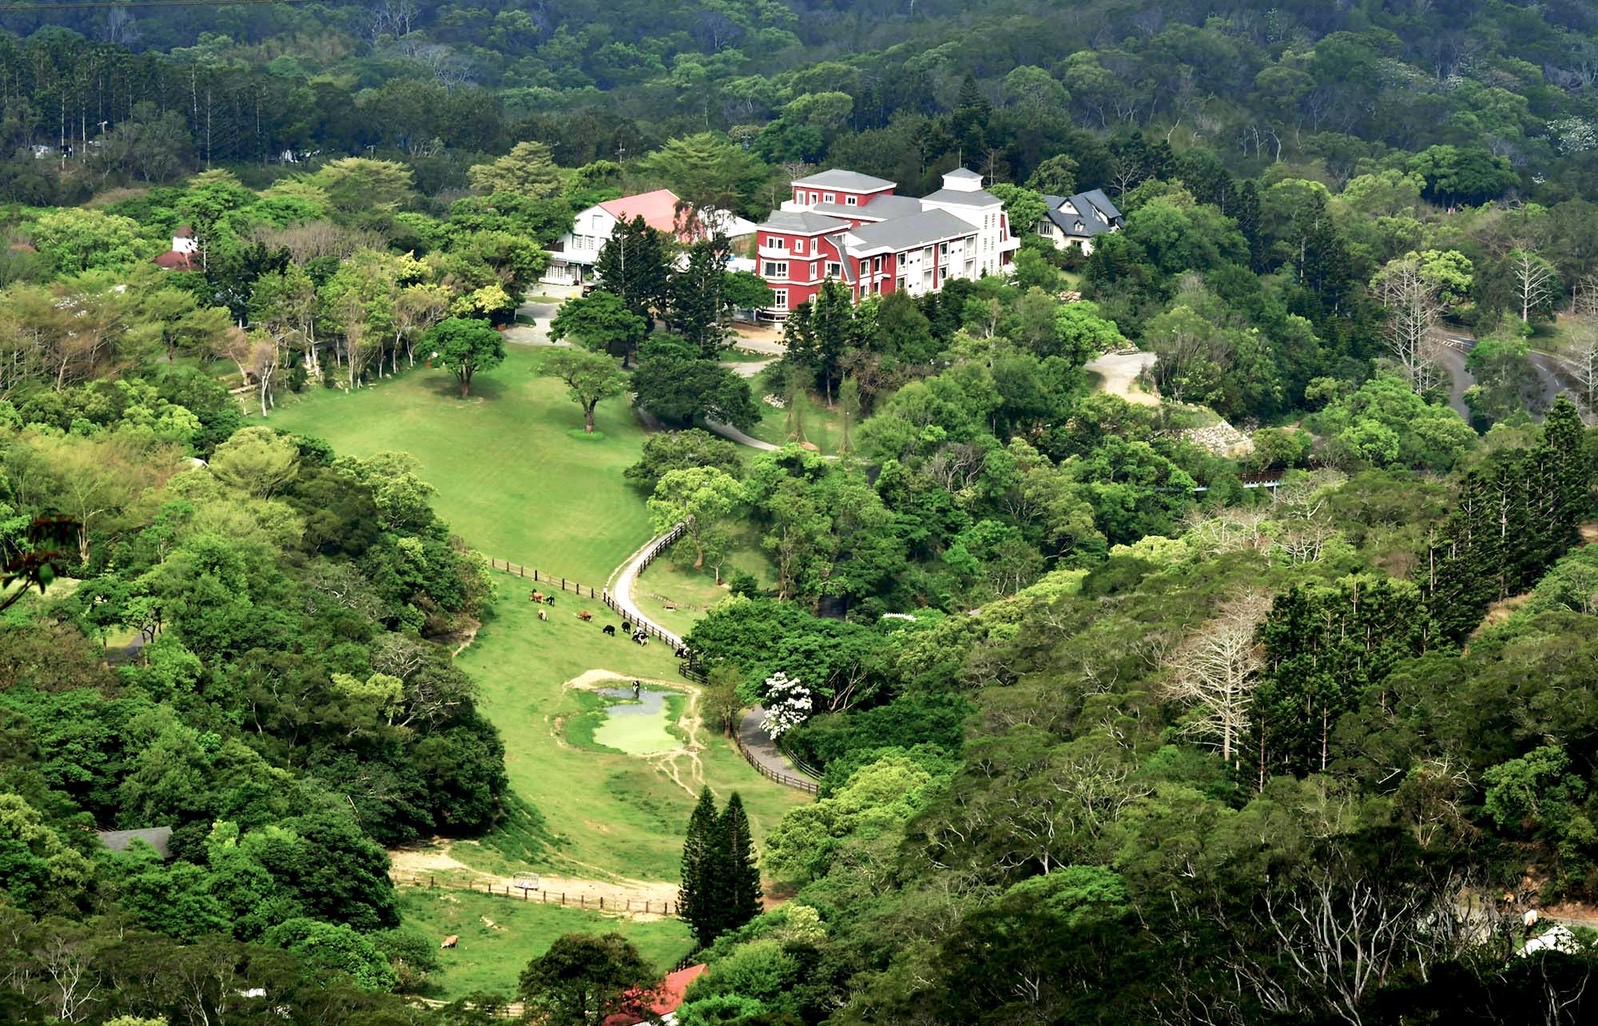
786, 779
546, 897
540, 577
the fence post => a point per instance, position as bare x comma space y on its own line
601, 901
535, 574
563, 584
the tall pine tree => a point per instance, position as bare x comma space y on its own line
635, 264
741, 893
720, 879
699, 899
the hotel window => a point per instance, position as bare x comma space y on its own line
775, 269
798, 245
813, 198
943, 249
833, 269
851, 201
773, 242
829, 197
779, 299
877, 265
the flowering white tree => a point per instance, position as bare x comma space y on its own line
788, 704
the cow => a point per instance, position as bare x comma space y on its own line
641, 637
549, 600
626, 628
543, 615
584, 615
536, 596
609, 629
450, 941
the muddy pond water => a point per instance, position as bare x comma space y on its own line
638, 726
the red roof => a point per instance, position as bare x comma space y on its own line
184, 232
658, 209
172, 260
668, 995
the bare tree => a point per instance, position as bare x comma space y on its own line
1413, 307
1534, 280
1217, 669
1580, 355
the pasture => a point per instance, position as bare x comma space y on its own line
608, 813
511, 479
489, 958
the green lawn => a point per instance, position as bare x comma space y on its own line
516, 485
607, 813
491, 958
822, 426
511, 480
666, 583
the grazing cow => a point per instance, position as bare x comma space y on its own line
626, 627
543, 615
549, 600
609, 628
584, 615
450, 941
641, 637
536, 596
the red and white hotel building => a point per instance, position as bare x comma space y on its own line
849, 226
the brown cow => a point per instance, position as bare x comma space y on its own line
449, 942
536, 596
585, 616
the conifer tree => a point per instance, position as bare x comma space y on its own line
635, 264
698, 900
740, 895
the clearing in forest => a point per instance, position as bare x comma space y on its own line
511, 478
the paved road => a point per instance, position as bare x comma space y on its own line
732, 434
762, 747
1453, 361
620, 587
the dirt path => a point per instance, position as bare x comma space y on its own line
419, 867
1117, 373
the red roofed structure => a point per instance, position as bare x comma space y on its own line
573, 255
181, 256
668, 997
658, 209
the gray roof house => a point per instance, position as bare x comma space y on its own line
1078, 220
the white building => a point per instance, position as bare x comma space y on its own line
574, 254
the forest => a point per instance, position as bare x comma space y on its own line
1259, 692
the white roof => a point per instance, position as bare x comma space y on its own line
852, 181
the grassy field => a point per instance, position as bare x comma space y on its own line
517, 485
511, 480
822, 427
607, 813
491, 958
664, 583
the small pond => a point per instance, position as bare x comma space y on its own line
638, 726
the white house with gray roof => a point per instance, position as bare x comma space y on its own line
853, 228
1079, 220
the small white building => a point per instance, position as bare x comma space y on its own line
572, 258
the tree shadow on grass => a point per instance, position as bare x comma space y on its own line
485, 389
